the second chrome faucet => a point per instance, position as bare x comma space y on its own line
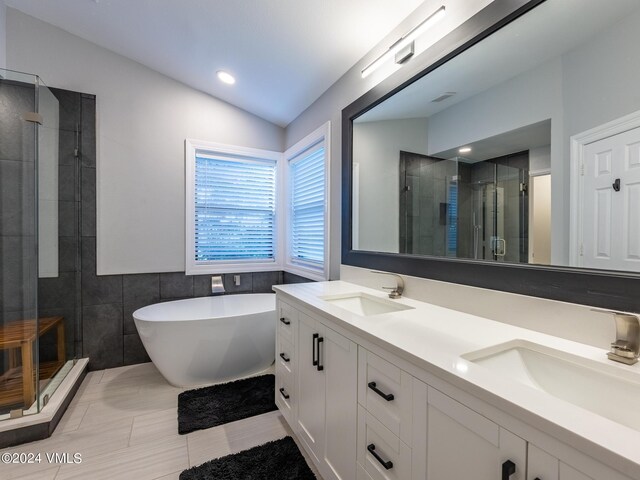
396, 292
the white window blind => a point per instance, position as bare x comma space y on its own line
307, 207
235, 209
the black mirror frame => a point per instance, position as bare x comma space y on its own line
598, 288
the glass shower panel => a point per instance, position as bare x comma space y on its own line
52, 346
428, 206
509, 220
18, 242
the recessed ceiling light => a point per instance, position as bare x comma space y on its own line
226, 77
464, 150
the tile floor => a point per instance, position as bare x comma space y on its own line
123, 421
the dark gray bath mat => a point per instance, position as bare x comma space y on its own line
277, 460
211, 406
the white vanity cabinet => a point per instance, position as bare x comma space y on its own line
325, 396
464, 444
542, 465
364, 413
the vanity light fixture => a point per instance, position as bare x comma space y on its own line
226, 77
464, 150
405, 41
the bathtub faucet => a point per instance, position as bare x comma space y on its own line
217, 287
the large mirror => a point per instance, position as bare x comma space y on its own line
523, 149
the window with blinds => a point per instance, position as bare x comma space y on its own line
307, 207
235, 209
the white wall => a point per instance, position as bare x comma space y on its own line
377, 151
3, 35
143, 120
539, 160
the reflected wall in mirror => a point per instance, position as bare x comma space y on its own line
523, 149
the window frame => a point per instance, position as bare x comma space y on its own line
322, 135
193, 267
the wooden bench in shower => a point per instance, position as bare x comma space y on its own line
19, 338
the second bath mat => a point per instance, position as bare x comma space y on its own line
212, 406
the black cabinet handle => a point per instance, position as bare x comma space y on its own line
284, 357
285, 321
320, 366
387, 396
284, 394
537, 478
508, 469
314, 359
388, 465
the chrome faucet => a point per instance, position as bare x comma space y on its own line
217, 287
626, 348
396, 292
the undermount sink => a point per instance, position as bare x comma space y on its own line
603, 389
364, 304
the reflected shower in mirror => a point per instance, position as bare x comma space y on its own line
525, 148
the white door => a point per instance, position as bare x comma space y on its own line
310, 386
610, 210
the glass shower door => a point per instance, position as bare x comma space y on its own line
496, 217
18, 243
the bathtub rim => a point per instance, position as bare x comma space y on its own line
136, 315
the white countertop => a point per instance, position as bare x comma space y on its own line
433, 338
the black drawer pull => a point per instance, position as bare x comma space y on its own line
284, 357
372, 450
284, 394
285, 321
508, 469
387, 396
320, 366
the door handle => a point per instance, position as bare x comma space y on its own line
284, 357
320, 366
508, 469
314, 359
285, 321
616, 185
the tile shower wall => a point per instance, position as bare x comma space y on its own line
105, 304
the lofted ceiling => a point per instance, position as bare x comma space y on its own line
283, 53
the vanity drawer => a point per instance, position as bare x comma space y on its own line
284, 356
386, 392
381, 453
361, 473
284, 394
287, 322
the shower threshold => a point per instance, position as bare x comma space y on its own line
37, 426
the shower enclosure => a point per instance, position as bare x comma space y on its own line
464, 209
37, 347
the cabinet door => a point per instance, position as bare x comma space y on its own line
541, 465
339, 357
463, 444
310, 387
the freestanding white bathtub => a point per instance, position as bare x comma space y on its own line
208, 340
